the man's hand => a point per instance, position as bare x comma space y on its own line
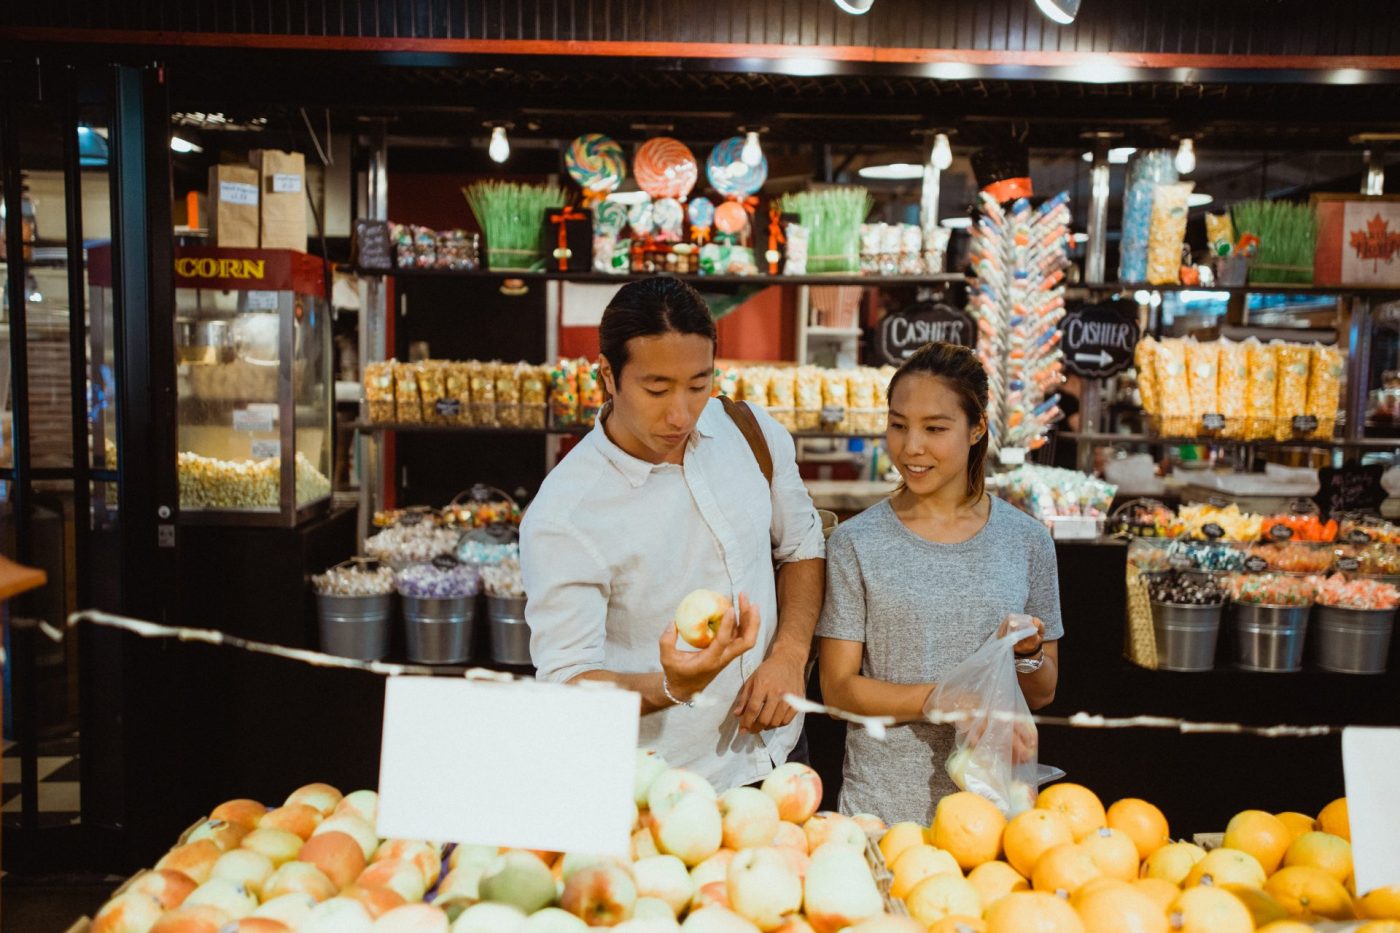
689, 672
1028, 645
760, 704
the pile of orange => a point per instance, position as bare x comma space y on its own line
1071, 866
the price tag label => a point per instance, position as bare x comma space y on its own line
1357, 536
832, 414
449, 407
1304, 424
446, 562
1180, 562
286, 183
1256, 564
1213, 531
1348, 564
234, 192
266, 450
1281, 533
1213, 422
252, 420
262, 301
411, 518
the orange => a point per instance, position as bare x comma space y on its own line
917, 863
1064, 869
995, 880
1090, 888
1321, 850
1032, 912
1379, 926
1286, 926
1335, 819
899, 837
1261, 905
1173, 862
1030, 835
1381, 903
943, 896
1161, 892
1143, 823
1119, 908
969, 826
1261, 834
1307, 892
1226, 866
1297, 823
1076, 803
1209, 910
1113, 851
959, 925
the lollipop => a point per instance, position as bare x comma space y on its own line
730, 217
702, 217
639, 217
665, 168
729, 174
596, 162
609, 217
669, 217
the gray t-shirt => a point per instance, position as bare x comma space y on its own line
920, 609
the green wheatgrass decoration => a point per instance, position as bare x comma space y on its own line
1287, 235
833, 217
512, 217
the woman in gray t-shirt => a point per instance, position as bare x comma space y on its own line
918, 582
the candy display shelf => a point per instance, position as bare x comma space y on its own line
873, 281
424, 428
1261, 289
1367, 443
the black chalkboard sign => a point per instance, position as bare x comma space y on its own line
1351, 488
373, 252
923, 322
1098, 339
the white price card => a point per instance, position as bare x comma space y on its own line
250, 420
233, 192
262, 301
1370, 760
286, 183
521, 764
266, 450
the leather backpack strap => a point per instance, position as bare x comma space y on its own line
743, 416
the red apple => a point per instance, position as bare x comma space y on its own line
749, 817
337, 855
699, 615
717, 920
403, 878
278, 845
323, 797
244, 867
222, 833
840, 891
426, 856
168, 887
192, 919
833, 827
300, 819
361, 803
690, 829
601, 895
194, 860
245, 813
127, 913
412, 918
299, 877
665, 877
763, 887
378, 901
796, 789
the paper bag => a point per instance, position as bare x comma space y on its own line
283, 182
233, 206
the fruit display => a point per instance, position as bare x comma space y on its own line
1070, 865
750, 859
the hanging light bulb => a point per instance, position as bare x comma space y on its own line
1061, 11
942, 156
1186, 156
752, 153
499, 150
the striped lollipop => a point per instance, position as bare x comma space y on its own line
596, 162
729, 174
665, 168
702, 212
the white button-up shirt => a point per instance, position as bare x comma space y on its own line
612, 544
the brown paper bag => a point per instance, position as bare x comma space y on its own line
283, 180
233, 206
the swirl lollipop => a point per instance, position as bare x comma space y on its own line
731, 218
609, 217
665, 168
729, 174
669, 217
596, 162
702, 217
640, 219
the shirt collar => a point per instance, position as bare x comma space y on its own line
636, 470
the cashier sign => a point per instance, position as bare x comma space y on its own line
521, 764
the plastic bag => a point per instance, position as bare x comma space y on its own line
995, 753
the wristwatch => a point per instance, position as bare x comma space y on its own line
1031, 663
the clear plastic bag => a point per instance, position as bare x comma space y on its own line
995, 753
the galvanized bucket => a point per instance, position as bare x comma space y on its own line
1353, 641
355, 626
1270, 638
439, 630
510, 636
1185, 635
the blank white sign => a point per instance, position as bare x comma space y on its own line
1371, 760
526, 765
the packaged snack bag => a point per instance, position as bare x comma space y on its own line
1261, 395
407, 402
1169, 211
1145, 359
1203, 376
1233, 385
482, 378
1325, 388
1294, 361
507, 396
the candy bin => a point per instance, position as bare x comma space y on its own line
1353, 620
439, 608
1270, 615
505, 610
253, 370
1303, 557
1186, 609
1142, 518
354, 605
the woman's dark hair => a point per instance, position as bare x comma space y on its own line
963, 372
649, 308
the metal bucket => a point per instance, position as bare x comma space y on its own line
1270, 638
510, 636
1353, 641
355, 626
439, 630
1185, 635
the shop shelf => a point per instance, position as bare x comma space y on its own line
873, 281
1363, 443
1243, 289
421, 428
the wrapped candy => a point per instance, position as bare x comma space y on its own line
1051, 492
798, 238
379, 391
354, 581
590, 392
1325, 388
1271, 589
1294, 361
1185, 589
1143, 518
503, 580
1145, 359
563, 394
1204, 521
1292, 557
1149, 554
1261, 394
482, 378
1169, 211
407, 402
1341, 592
406, 544
1293, 526
1203, 376
1232, 386
1212, 556
486, 554
430, 581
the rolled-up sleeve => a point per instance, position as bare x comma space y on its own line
566, 588
797, 528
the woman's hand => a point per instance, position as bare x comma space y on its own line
689, 672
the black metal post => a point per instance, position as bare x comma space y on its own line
77, 343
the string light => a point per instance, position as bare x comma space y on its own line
499, 149
1186, 156
942, 156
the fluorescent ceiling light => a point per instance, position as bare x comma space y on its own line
1118, 156
894, 171
1198, 199
179, 144
956, 223
1061, 11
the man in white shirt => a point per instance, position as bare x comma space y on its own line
664, 496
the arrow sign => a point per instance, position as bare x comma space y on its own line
1099, 339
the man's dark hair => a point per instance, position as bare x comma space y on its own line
649, 308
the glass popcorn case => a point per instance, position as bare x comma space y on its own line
253, 348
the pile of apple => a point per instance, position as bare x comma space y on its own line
702, 862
